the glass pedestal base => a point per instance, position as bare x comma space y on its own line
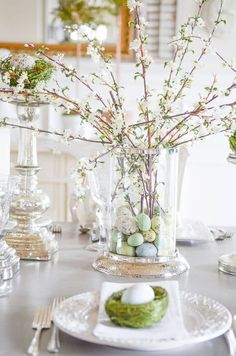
9, 262
227, 263
162, 267
39, 245
9, 266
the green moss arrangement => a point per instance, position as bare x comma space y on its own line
232, 142
78, 12
25, 71
139, 315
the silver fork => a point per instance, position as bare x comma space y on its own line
42, 320
54, 342
56, 228
230, 337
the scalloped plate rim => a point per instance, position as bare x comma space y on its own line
168, 345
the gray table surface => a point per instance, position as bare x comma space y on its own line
70, 273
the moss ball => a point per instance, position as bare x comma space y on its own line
137, 315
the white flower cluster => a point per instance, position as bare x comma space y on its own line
133, 4
22, 61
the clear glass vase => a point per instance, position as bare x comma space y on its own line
9, 261
142, 215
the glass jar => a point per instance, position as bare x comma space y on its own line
142, 213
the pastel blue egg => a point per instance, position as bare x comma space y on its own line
144, 222
135, 239
147, 249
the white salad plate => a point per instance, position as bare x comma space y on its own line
204, 319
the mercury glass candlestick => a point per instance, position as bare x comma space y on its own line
29, 203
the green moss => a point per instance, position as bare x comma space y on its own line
232, 142
139, 315
41, 71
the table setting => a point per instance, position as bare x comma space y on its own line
130, 276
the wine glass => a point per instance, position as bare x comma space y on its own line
99, 184
9, 262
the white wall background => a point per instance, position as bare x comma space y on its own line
209, 191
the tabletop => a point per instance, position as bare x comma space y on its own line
70, 272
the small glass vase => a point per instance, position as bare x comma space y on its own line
142, 215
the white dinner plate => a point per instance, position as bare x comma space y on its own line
204, 319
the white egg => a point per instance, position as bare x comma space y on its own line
140, 293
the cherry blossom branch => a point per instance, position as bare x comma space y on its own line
70, 137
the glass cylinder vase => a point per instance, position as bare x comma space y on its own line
142, 215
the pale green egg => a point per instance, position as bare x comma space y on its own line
135, 239
113, 247
125, 250
156, 242
155, 223
116, 235
144, 222
149, 235
157, 210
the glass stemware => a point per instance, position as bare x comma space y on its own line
9, 262
100, 190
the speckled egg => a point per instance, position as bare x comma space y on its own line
144, 222
116, 235
125, 250
146, 250
149, 235
135, 239
156, 242
126, 224
157, 210
155, 223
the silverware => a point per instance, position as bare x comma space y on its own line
42, 320
56, 228
220, 234
230, 337
54, 342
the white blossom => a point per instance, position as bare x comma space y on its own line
22, 61
135, 44
132, 4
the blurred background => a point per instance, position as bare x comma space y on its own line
209, 180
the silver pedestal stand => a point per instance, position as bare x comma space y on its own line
30, 240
